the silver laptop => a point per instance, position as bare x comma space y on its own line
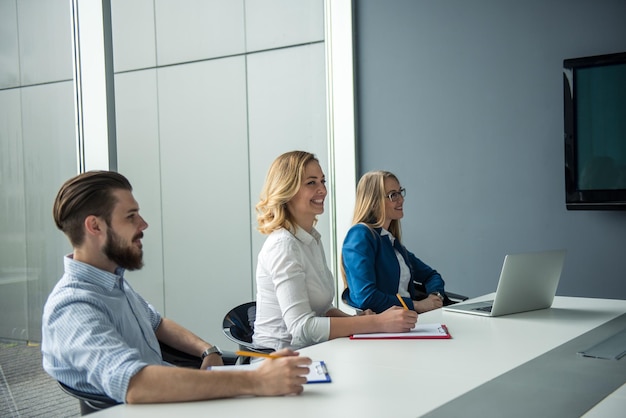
528, 282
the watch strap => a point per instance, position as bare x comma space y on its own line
211, 350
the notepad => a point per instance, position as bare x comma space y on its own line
420, 331
318, 372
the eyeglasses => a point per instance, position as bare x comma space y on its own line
395, 196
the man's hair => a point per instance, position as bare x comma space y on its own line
369, 207
86, 194
283, 181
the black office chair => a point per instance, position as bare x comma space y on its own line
238, 326
450, 297
179, 358
90, 402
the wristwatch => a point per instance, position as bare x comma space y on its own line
215, 349
439, 295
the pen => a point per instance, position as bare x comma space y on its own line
402, 301
255, 354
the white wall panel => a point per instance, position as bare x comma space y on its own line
49, 160
190, 30
278, 23
45, 41
204, 177
136, 111
12, 200
287, 111
13, 275
134, 40
341, 126
94, 66
9, 58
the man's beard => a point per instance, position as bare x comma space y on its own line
122, 255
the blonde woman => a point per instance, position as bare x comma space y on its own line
295, 288
376, 266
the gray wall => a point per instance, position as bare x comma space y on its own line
463, 101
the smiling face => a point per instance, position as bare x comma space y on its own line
308, 202
393, 210
123, 245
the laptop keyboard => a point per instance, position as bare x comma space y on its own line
484, 309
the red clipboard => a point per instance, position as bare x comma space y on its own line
420, 332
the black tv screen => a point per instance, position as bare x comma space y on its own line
594, 92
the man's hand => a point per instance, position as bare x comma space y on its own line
283, 375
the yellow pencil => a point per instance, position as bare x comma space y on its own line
255, 354
402, 301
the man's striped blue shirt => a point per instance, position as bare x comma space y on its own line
97, 332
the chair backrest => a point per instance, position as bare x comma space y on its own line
89, 402
344, 299
238, 326
179, 358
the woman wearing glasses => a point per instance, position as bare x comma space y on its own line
295, 288
376, 266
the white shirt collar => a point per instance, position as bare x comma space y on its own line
306, 237
384, 232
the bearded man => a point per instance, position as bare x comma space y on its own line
100, 336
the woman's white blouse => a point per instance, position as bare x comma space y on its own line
295, 289
405, 273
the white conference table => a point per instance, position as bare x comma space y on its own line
409, 378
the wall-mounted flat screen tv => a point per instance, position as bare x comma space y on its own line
594, 92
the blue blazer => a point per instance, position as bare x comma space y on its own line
373, 272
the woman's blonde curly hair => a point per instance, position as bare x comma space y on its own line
282, 182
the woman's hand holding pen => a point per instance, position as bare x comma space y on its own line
283, 374
396, 319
